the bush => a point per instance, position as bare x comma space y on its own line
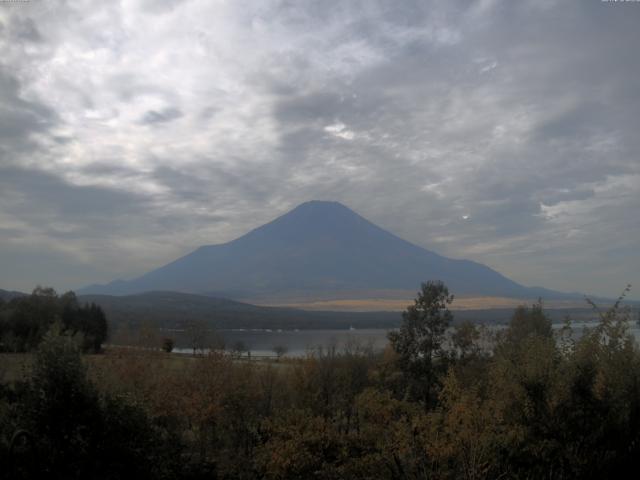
167, 345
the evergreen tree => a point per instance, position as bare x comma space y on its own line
419, 341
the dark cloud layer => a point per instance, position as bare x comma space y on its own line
504, 132
19, 118
163, 116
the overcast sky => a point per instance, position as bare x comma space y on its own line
499, 131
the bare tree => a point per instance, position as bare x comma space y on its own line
197, 335
280, 350
238, 349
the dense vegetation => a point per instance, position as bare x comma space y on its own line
529, 402
24, 320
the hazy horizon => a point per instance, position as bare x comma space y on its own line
499, 132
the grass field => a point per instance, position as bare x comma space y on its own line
399, 304
16, 366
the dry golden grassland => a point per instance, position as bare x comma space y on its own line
397, 304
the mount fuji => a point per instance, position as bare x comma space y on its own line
318, 250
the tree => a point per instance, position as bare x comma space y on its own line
26, 320
62, 409
167, 344
32, 316
527, 322
94, 327
238, 349
280, 350
419, 341
197, 335
88, 320
464, 340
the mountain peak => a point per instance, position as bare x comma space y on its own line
312, 219
318, 249
325, 207
328, 204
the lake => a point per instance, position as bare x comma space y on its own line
299, 342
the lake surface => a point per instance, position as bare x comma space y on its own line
299, 342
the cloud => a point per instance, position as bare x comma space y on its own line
22, 29
20, 119
339, 130
166, 115
504, 132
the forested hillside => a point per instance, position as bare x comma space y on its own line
438, 403
25, 319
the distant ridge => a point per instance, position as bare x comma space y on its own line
173, 310
319, 249
7, 295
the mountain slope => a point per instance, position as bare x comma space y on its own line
317, 249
